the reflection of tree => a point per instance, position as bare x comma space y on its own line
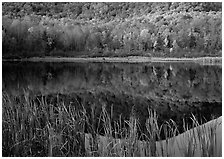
172, 81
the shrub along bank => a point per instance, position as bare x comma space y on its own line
111, 29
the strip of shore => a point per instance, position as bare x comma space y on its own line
129, 59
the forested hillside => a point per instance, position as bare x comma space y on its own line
111, 29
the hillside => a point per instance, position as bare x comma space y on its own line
111, 29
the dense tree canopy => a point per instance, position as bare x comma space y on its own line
154, 29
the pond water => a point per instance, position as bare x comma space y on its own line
174, 90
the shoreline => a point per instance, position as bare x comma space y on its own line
129, 59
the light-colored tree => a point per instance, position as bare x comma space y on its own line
175, 47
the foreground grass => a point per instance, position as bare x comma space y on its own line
38, 127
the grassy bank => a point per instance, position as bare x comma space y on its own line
111, 29
38, 127
129, 59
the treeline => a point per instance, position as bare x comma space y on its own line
111, 29
105, 10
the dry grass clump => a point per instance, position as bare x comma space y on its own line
38, 127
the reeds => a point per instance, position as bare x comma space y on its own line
39, 127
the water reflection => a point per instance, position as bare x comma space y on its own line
173, 89
177, 80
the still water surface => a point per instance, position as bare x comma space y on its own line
174, 90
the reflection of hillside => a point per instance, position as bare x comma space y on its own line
168, 81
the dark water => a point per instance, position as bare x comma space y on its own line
174, 90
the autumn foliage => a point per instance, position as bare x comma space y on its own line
111, 29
